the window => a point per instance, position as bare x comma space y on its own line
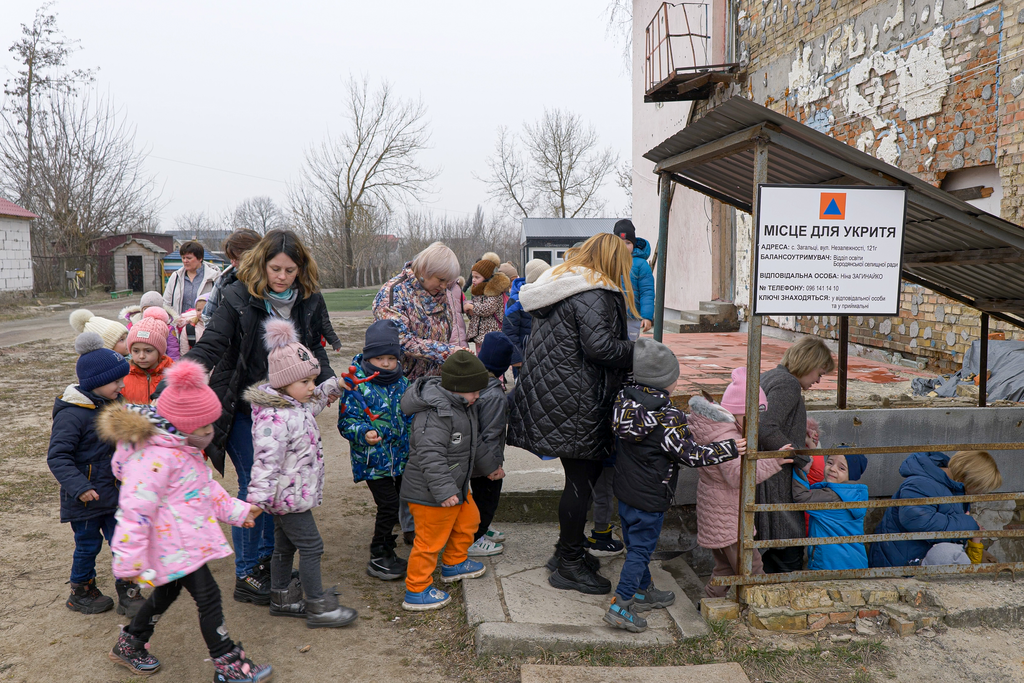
560, 255
543, 255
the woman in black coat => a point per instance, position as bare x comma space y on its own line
276, 278
576, 361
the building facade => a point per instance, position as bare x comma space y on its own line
15, 250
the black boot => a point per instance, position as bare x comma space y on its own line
574, 574
588, 559
87, 599
254, 587
385, 564
327, 613
288, 602
129, 598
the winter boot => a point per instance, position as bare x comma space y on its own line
327, 613
235, 667
576, 575
385, 564
129, 598
288, 602
603, 544
254, 587
622, 614
87, 599
133, 653
588, 559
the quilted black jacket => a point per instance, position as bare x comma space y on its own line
577, 358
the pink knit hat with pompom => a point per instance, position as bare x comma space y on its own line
188, 402
152, 330
287, 361
735, 397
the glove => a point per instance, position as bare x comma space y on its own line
975, 551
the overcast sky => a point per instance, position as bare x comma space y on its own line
248, 86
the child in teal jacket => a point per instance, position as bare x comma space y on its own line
839, 471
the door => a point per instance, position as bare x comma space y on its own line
135, 280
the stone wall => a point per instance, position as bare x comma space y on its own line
15, 256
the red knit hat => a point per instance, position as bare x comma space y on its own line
188, 402
152, 330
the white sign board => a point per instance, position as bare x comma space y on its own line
827, 250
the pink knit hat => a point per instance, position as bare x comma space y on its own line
735, 397
152, 330
287, 361
188, 402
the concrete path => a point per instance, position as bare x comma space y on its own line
703, 673
514, 609
54, 325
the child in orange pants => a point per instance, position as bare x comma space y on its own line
442, 448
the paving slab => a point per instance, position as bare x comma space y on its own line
730, 672
515, 609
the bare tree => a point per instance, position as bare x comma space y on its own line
620, 28
258, 213
624, 179
559, 174
199, 226
369, 166
469, 237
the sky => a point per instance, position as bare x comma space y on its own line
247, 87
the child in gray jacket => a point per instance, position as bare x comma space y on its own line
442, 448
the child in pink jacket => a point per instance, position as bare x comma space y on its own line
718, 486
167, 527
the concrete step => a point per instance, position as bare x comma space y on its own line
719, 308
548, 673
679, 326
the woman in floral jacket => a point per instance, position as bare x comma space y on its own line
416, 300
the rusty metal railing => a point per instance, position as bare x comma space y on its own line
659, 58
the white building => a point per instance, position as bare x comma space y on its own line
15, 249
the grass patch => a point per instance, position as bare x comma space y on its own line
353, 299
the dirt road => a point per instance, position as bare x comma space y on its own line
53, 326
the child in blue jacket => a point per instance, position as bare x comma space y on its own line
380, 447
839, 471
641, 277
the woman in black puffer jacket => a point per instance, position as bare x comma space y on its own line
575, 362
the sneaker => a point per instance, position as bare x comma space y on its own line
622, 614
470, 569
603, 544
254, 587
483, 547
652, 598
386, 565
576, 575
133, 653
589, 560
129, 598
432, 598
494, 535
235, 667
408, 537
87, 599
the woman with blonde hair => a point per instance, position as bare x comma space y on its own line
277, 278
575, 362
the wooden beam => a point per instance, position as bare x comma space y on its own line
716, 149
964, 257
710, 192
968, 193
1015, 306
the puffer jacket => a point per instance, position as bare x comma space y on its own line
133, 314
642, 279
388, 456
492, 416
78, 458
424, 323
287, 474
456, 300
653, 440
488, 308
576, 361
923, 479
170, 503
442, 444
232, 348
140, 384
828, 523
718, 486
517, 323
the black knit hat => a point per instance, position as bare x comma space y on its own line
382, 340
496, 352
624, 229
464, 373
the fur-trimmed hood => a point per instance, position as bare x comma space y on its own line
700, 406
129, 423
75, 396
549, 290
497, 285
710, 422
133, 313
262, 394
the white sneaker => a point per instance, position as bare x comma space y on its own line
485, 548
493, 534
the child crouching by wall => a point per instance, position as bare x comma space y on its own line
840, 470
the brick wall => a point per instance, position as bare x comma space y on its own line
15, 256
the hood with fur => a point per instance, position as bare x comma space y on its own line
133, 313
498, 284
266, 396
75, 396
549, 290
710, 422
129, 423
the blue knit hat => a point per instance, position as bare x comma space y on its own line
855, 464
97, 365
496, 352
382, 340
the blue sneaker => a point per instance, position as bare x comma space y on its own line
622, 614
432, 598
470, 569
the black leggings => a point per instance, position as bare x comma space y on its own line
781, 560
580, 478
204, 590
486, 494
385, 496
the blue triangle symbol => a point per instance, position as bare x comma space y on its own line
833, 209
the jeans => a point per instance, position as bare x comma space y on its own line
385, 497
640, 532
633, 328
297, 531
253, 544
486, 494
204, 590
580, 478
603, 496
727, 563
405, 517
89, 535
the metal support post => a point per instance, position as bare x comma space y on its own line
844, 357
983, 362
748, 470
659, 283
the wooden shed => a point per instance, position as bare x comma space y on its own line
138, 265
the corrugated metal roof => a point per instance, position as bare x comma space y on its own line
12, 210
565, 227
799, 155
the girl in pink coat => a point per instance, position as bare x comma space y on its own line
167, 527
718, 486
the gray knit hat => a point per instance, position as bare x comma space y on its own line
654, 364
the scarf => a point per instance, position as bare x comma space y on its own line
386, 377
280, 305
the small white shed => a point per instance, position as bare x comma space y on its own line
15, 249
138, 266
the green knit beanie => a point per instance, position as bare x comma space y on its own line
463, 373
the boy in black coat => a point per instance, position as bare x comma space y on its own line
80, 461
652, 440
